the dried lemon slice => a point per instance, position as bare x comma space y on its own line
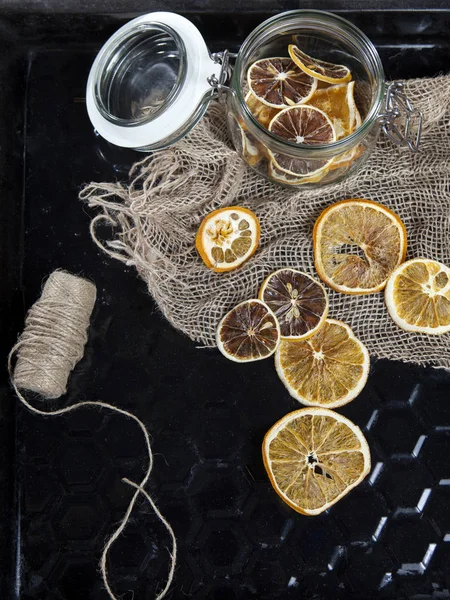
249, 332
324, 71
251, 149
262, 113
278, 82
227, 237
346, 159
287, 179
338, 103
301, 125
314, 457
299, 302
358, 119
357, 245
418, 296
246, 144
328, 369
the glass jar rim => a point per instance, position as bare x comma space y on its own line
351, 31
115, 46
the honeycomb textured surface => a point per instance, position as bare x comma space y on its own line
389, 538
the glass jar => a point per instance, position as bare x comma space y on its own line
154, 78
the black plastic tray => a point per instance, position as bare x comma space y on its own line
60, 478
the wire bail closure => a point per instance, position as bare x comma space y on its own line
220, 89
401, 122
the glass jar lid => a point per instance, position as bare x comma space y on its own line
150, 83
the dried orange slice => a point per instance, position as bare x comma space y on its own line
301, 125
338, 103
250, 331
314, 457
262, 113
299, 302
357, 245
278, 82
346, 159
324, 71
418, 296
328, 369
227, 237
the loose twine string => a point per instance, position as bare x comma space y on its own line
51, 344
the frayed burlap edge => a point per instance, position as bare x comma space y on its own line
155, 217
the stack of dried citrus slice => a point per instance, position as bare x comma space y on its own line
315, 456
319, 360
302, 100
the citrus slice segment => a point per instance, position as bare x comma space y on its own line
251, 148
358, 119
338, 103
246, 144
227, 237
417, 296
324, 71
346, 159
353, 109
250, 331
299, 302
287, 179
278, 82
314, 457
262, 113
301, 125
328, 369
357, 245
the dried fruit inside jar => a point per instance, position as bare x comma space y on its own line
301, 100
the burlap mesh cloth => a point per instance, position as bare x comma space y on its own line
155, 218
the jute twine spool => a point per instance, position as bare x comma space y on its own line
55, 334
51, 344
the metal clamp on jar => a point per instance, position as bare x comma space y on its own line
154, 78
